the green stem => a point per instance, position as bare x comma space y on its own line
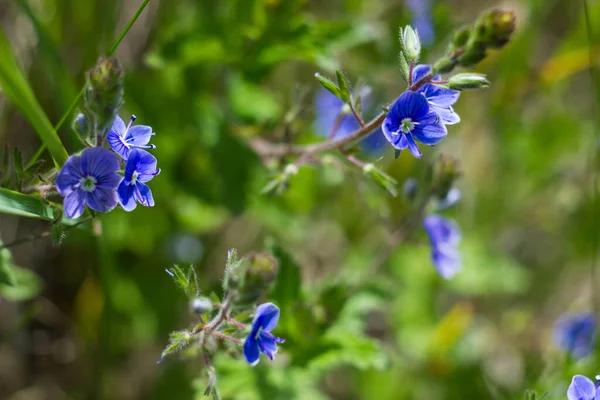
75, 102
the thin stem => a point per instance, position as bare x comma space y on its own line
226, 337
356, 161
40, 235
73, 105
421, 82
335, 127
235, 322
357, 116
410, 73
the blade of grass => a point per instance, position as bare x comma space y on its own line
16, 203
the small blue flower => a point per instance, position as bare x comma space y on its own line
410, 118
122, 139
582, 388
140, 168
440, 99
260, 338
575, 333
329, 108
89, 179
421, 11
444, 238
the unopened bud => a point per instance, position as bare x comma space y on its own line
106, 75
81, 125
445, 172
501, 25
410, 188
290, 169
201, 305
467, 81
104, 92
411, 45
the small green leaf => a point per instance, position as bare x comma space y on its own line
381, 178
343, 85
7, 275
27, 285
329, 85
396, 154
16, 203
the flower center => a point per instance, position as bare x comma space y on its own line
258, 331
88, 183
407, 125
134, 177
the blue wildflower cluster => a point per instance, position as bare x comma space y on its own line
93, 178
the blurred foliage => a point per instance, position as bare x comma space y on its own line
210, 75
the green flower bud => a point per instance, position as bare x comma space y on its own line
107, 75
467, 81
411, 45
461, 36
445, 171
81, 125
104, 93
382, 179
500, 25
201, 305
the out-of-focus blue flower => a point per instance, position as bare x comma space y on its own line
444, 238
411, 118
582, 388
260, 339
452, 197
122, 139
440, 99
89, 179
421, 11
329, 108
575, 333
140, 168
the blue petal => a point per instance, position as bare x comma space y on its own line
118, 127
446, 114
251, 353
412, 146
420, 71
74, 204
388, 127
126, 196
575, 333
118, 145
581, 388
446, 264
139, 135
267, 316
267, 345
102, 199
452, 197
99, 163
430, 133
441, 230
132, 164
440, 96
409, 105
145, 164
69, 176
143, 194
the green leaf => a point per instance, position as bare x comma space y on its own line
27, 285
329, 85
355, 350
396, 154
344, 86
7, 275
17, 90
58, 234
15, 203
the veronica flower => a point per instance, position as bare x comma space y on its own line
410, 118
260, 338
89, 179
122, 139
575, 333
140, 168
444, 238
421, 11
440, 99
582, 388
329, 108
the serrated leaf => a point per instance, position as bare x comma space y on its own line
16, 203
343, 85
329, 85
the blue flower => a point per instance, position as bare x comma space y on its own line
329, 108
444, 238
89, 179
260, 338
122, 139
421, 10
575, 333
582, 388
410, 118
140, 168
440, 99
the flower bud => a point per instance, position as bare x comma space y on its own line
260, 274
411, 45
410, 188
201, 305
467, 81
81, 125
381, 178
104, 92
500, 26
106, 75
445, 171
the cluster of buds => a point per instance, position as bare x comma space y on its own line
469, 45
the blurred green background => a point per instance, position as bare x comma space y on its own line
209, 75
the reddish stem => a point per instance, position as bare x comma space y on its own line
236, 323
226, 337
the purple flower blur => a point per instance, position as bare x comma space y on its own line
575, 333
421, 11
582, 388
329, 108
444, 238
140, 168
440, 99
122, 139
89, 179
411, 118
260, 339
